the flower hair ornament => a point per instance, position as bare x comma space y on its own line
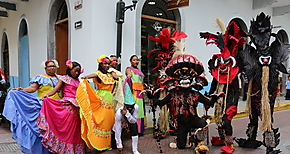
113, 61
69, 64
102, 59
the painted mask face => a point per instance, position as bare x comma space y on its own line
223, 66
260, 31
184, 68
225, 69
185, 76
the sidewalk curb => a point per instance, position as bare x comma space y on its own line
243, 113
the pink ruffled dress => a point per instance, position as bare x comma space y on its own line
59, 121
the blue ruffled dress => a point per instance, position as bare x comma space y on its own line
22, 110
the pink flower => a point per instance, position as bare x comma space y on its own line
69, 64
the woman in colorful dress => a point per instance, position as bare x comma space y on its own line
137, 86
22, 109
96, 107
59, 120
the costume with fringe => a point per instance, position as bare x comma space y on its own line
185, 69
160, 58
262, 64
224, 69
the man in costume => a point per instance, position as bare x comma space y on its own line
224, 70
162, 56
261, 65
185, 68
126, 117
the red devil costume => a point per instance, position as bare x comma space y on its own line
224, 69
185, 68
160, 58
261, 65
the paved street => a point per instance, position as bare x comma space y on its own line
148, 145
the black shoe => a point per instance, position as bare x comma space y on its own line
253, 144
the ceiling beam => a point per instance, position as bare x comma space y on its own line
278, 11
3, 14
8, 6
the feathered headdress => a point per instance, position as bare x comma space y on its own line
166, 40
228, 40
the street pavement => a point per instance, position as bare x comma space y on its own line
148, 145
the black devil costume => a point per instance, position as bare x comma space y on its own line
261, 65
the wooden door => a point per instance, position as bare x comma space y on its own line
61, 39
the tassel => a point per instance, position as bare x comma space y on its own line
249, 94
218, 113
227, 90
265, 108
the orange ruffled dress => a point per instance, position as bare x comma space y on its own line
97, 111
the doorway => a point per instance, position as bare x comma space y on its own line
154, 18
23, 54
58, 34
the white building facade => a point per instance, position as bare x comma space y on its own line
82, 30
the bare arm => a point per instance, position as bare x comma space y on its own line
115, 76
31, 89
128, 73
132, 118
93, 75
54, 90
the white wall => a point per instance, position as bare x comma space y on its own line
98, 34
35, 12
200, 17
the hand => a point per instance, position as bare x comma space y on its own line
221, 94
123, 112
129, 75
44, 96
20, 88
84, 77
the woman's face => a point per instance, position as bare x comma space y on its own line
50, 68
135, 61
75, 72
114, 62
106, 65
